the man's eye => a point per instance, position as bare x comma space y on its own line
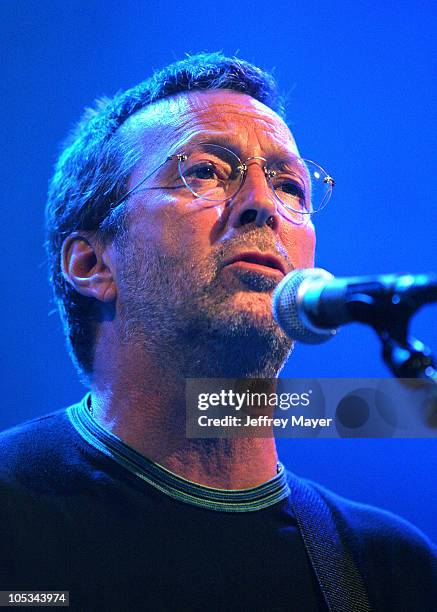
202, 171
291, 188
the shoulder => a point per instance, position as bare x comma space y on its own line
29, 435
397, 561
373, 526
369, 532
35, 448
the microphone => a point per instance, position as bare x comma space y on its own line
309, 305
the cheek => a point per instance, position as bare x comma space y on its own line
173, 227
300, 243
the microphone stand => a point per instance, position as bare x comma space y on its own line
405, 356
411, 359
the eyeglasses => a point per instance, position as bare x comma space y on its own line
213, 173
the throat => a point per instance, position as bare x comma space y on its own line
225, 463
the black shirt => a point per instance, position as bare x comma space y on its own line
81, 511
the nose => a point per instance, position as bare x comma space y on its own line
255, 201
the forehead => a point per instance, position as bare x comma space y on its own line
248, 125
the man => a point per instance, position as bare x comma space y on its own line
174, 211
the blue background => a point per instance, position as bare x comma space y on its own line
361, 101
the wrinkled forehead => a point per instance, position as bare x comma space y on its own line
249, 126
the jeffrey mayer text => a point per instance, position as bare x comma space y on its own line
262, 421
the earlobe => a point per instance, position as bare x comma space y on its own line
86, 269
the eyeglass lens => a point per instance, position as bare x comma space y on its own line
214, 173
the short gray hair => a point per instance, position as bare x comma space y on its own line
95, 164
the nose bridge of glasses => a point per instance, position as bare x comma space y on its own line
244, 166
266, 206
268, 174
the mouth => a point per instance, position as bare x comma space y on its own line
255, 261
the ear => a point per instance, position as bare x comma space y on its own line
87, 267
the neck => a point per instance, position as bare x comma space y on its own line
141, 399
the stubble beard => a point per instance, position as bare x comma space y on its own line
183, 314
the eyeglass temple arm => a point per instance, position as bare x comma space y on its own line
135, 187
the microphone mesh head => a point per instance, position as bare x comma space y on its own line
287, 308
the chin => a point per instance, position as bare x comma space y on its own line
250, 324
254, 308
242, 313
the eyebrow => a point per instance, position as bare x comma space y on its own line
281, 158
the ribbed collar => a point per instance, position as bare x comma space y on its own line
222, 500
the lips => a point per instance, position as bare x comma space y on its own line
256, 258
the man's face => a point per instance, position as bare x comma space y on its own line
173, 272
